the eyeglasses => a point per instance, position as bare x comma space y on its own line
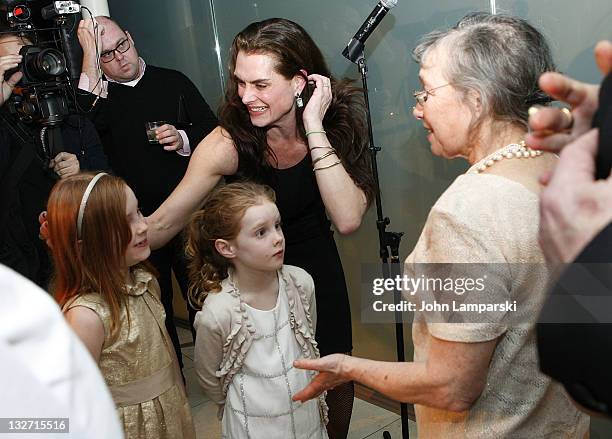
121, 47
421, 95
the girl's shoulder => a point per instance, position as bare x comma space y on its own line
297, 279
219, 309
87, 299
298, 274
92, 301
218, 301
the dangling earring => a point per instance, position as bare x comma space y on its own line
298, 101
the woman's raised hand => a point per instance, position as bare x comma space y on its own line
318, 103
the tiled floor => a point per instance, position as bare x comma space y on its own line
368, 420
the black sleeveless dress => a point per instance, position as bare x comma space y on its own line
309, 244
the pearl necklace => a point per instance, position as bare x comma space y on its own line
513, 150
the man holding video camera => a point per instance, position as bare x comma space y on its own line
131, 94
29, 167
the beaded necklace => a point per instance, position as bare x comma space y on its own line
513, 150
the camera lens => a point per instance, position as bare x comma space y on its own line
46, 64
50, 62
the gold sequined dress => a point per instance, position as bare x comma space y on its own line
140, 366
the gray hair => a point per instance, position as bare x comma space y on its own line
500, 57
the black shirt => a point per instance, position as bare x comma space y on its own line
161, 94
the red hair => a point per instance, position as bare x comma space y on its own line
96, 262
219, 218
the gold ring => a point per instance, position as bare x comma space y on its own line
569, 116
533, 110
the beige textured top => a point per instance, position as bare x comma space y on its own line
486, 218
158, 407
224, 332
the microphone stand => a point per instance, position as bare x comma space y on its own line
389, 242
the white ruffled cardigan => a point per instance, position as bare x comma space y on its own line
224, 332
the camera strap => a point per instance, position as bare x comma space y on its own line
24, 136
28, 152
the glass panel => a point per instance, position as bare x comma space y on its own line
572, 30
176, 35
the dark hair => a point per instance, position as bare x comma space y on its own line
219, 218
8, 32
4, 26
294, 50
500, 57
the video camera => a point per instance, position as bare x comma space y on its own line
52, 57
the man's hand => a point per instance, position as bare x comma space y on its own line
90, 38
330, 375
574, 207
8, 62
551, 129
169, 136
65, 164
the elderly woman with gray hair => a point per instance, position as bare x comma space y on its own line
475, 380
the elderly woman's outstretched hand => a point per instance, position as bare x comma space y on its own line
551, 128
330, 375
319, 102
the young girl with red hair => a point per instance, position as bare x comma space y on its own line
98, 239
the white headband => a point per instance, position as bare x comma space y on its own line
86, 194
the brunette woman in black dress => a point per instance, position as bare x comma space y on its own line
288, 123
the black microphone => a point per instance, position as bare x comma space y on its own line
354, 48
